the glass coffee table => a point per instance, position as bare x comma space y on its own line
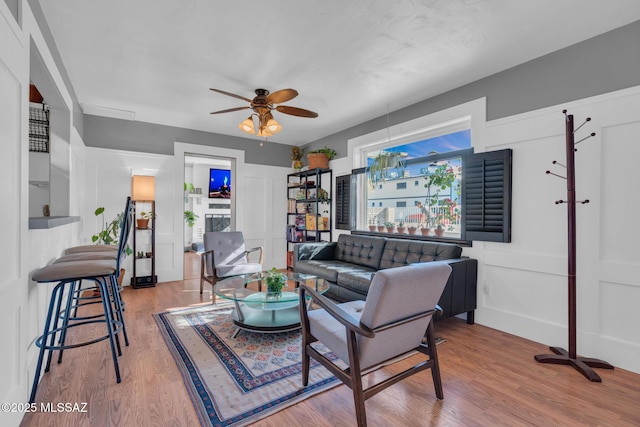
259, 311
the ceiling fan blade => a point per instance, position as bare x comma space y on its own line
230, 110
281, 96
230, 94
300, 112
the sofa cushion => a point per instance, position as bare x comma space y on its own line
360, 250
357, 279
324, 269
404, 252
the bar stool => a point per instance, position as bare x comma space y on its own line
68, 275
90, 253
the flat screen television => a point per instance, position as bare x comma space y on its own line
219, 183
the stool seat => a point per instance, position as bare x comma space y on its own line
88, 256
90, 248
74, 270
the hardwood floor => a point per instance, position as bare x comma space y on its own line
490, 378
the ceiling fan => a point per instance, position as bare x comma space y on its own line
262, 105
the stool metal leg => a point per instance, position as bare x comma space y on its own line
47, 324
110, 325
118, 307
56, 319
65, 321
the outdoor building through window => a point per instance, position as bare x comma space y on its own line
415, 184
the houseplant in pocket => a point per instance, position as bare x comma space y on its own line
275, 282
143, 221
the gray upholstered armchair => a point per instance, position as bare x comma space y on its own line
390, 323
225, 256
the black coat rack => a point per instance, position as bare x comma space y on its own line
561, 356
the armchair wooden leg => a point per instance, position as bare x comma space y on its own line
305, 365
433, 356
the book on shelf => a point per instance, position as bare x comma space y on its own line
311, 222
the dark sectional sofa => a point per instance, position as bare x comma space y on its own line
350, 263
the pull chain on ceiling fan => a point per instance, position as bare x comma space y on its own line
262, 105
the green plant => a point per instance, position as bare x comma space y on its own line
323, 195
329, 152
188, 189
381, 164
440, 179
148, 215
296, 153
190, 218
389, 224
110, 231
276, 280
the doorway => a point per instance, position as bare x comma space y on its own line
208, 202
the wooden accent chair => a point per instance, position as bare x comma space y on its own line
225, 256
390, 323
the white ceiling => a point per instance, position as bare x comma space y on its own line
350, 61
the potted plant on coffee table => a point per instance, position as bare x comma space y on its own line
275, 282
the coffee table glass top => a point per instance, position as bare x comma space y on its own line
252, 289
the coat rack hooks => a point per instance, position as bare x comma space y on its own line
561, 356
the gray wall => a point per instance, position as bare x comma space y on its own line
129, 135
608, 62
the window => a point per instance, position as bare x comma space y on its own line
464, 194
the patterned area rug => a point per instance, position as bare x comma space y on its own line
237, 381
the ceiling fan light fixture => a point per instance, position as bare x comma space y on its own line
247, 126
264, 132
273, 126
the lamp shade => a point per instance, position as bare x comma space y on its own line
247, 126
143, 188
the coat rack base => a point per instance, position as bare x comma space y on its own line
581, 364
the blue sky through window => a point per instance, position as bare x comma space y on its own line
440, 144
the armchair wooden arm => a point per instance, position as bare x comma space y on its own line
257, 248
336, 312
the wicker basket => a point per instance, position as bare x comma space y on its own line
318, 160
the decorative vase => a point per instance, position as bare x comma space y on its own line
274, 295
425, 231
297, 164
317, 161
